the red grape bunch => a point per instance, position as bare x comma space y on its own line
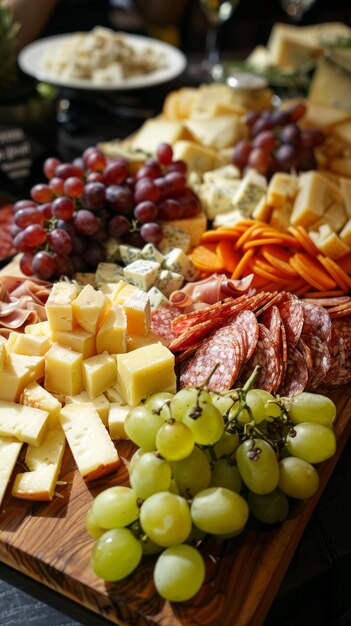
62, 229
277, 143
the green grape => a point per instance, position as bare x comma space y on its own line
115, 507
91, 525
257, 405
225, 474
312, 442
173, 488
311, 407
149, 475
271, 407
189, 401
298, 478
226, 445
175, 441
208, 427
166, 519
116, 554
179, 573
148, 546
157, 401
136, 456
268, 508
193, 473
222, 402
258, 465
219, 511
141, 426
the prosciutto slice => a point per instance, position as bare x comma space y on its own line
22, 302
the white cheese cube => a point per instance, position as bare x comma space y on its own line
157, 298
150, 253
251, 189
129, 253
174, 237
108, 273
177, 261
100, 403
116, 418
168, 282
143, 274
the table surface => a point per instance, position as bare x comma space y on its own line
317, 587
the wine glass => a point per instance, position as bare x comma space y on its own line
217, 12
295, 9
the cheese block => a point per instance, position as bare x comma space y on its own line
218, 132
168, 282
40, 329
28, 344
150, 253
112, 334
197, 157
217, 196
139, 341
142, 273
281, 188
89, 441
116, 418
129, 253
312, 199
90, 308
39, 398
156, 298
280, 218
17, 373
345, 186
59, 306
250, 191
178, 262
262, 210
9, 452
345, 233
330, 85
25, 423
138, 311
63, 370
328, 242
100, 403
341, 166
227, 219
145, 371
108, 273
215, 99
174, 237
157, 130
44, 464
99, 373
225, 172
323, 116
122, 291
79, 340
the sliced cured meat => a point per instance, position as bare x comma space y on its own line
328, 302
195, 334
216, 362
273, 299
340, 351
247, 324
267, 357
210, 290
161, 319
306, 353
321, 360
291, 311
296, 374
272, 320
316, 321
185, 321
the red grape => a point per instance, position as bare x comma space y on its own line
86, 223
118, 226
150, 169
31, 215
259, 160
135, 239
178, 166
241, 153
95, 177
57, 185
26, 264
46, 210
260, 125
120, 199
164, 186
311, 138
94, 196
73, 187
43, 265
20, 242
286, 157
78, 243
66, 170
280, 118
116, 172
290, 134
95, 161
63, 265
41, 193
50, 166
66, 225
251, 117
151, 232
87, 152
177, 180
146, 189
145, 212
189, 203
265, 140
63, 208
24, 204
306, 160
34, 235
164, 153
60, 241
169, 209
296, 111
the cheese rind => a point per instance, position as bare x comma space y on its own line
22, 422
89, 441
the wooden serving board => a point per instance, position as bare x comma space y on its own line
48, 542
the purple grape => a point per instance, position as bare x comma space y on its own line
86, 223
120, 199
151, 232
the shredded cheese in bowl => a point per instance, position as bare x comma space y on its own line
100, 56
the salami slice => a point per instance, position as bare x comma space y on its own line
316, 321
321, 360
291, 311
194, 335
296, 374
267, 358
340, 348
272, 320
221, 310
306, 353
216, 362
246, 322
161, 320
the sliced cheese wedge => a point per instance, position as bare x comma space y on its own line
9, 453
36, 396
89, 441
23, 422
44, 464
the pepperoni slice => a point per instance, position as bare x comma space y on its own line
316, 321
291, 312
246, 322
272, 320
216, 362
161, 320
267, 358
321, 360
340, 346
296, 374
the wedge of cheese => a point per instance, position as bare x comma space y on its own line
39, 398
315, 195
155, 130
22, 422
18, 371
40, 329
329, 242
89, 441
44, 463
10, 449
218, 132
197, 157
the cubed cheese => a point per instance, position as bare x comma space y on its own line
177, 261
63, 370
79, 340
250, 191
99, 373
139, 341
100, 403
311, 200
156, 297
27, 344
197, 157
281, 187
36, 396
89, 441
112, 334
217, 196
145, 371
226, 172
116, 418
59, 306
129, 253
192, 226
155, 130
217, 133
150, 253
138, 311
143, 274
90, 308
14, 377
329, 242
41, 329
345, 234
108, 273
22, 422
174, 237
168, 282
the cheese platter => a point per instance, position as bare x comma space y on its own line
274, 308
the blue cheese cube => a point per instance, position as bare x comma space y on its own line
250, 191
157, 298
174, 237
111, 247
150, 253
143, 274
108, 273
177, 261
168, 282
129, 253
217, 196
